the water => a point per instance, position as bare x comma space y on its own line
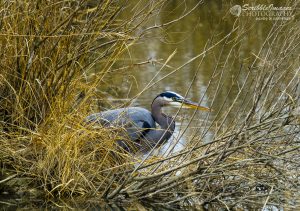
189, 37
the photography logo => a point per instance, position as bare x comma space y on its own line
262, 11
236, 10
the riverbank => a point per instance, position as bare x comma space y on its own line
58, 67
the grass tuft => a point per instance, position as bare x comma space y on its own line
48, 52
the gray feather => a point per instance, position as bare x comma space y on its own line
135, 120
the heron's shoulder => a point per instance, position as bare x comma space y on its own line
138, 109
128, 112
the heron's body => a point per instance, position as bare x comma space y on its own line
137, 121
140, 124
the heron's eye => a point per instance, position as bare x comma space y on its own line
174, 98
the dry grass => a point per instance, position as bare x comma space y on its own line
48, 50
49, 47
252, 160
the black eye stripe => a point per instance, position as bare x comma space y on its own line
169, 95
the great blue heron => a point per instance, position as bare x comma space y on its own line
140, 124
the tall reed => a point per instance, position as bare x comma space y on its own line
48, 50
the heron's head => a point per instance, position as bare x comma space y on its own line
173, 99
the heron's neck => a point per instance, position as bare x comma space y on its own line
163, 120
156, 137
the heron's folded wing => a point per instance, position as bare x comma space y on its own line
138, 130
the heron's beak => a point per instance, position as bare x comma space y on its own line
193, 105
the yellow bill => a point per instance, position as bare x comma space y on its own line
193, 105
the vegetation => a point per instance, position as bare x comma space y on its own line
47, 86
49, 50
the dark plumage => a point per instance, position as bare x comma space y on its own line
140, 124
